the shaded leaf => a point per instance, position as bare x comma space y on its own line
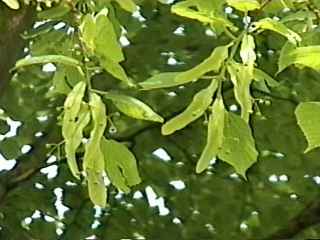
133, 107
128, 5
47, 59
276, 26
55, 12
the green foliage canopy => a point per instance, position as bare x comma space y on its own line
224, 90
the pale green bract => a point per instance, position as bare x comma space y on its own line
196, 109
238, 148
244, 5
120, 165
214, 135
212, 63
75, 118
247, 51
241, 77
133, 107
93, 161
170, 79
308, 118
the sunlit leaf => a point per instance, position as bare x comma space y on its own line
106, 41
120, 164
186, 9
305, 56
214, 136
238, 148
70, 130
93, 157
170, 79
244, 5
161, 80
133, 107
212, 63
96, 188
196, 109
276, 26
247, 50
88, 31
13, 4
308, 118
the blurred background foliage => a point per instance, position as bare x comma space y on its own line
39, 199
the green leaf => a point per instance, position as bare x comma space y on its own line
93, 161
298, 16
59, 82
106, 41
212, 63
93, 157
96, 188
13, 4
121, 166
47, 59
244, 5
88, 31
214, 136
305, 56
115, 69
74, 137
241, 77
128, 5
196, 109
133, 107
308, 118
276, 26
55, 12
247, 50
238, 148
260, 75
161, 80
186, 9
74, 120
